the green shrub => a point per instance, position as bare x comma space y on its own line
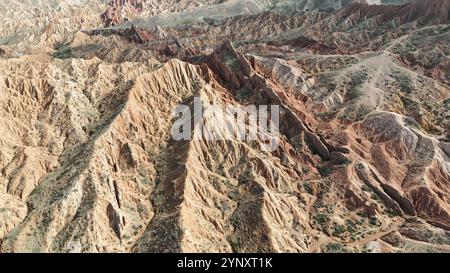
324, 171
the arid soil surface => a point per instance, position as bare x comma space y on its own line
88, 163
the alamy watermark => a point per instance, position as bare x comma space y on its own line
210, 122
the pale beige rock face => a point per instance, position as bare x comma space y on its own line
88, 164
12, 212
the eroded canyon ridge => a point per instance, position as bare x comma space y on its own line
87, 163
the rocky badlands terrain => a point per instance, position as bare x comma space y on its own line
88, 164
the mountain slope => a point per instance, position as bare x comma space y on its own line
88, 162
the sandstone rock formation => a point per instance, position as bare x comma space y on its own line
88, 162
